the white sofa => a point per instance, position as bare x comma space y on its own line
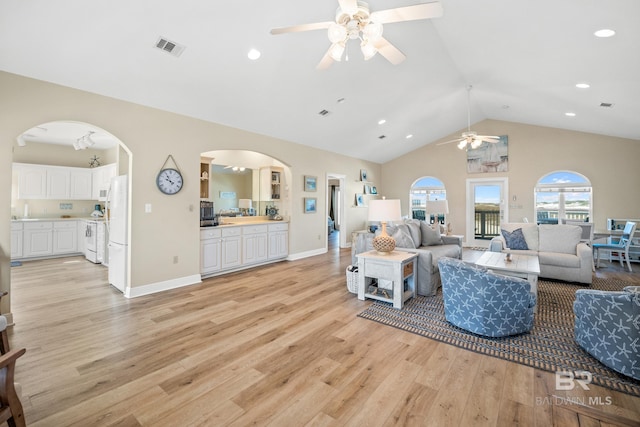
560, 252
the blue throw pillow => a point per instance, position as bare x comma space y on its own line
515, 239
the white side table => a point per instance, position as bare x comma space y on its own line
396, 275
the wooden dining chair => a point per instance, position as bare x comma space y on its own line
11, 410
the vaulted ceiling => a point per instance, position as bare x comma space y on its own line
523, 59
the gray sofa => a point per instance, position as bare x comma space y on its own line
560, 252
419, 237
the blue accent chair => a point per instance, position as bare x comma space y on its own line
484, 302
622, 246
607, 326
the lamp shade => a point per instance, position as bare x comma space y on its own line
437, 207
244, 203
384, 210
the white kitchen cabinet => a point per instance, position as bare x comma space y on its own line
254, 243
80, 184
32, 181
278, 241
58, 182
101, 179
65, 237
16, 240
231, 252
210, 251
53, 182
38, 239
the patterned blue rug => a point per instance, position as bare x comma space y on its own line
16, 263
549, 346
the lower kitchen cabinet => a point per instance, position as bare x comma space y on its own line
16, 240
37, 239
210, 251
236, 247
65, 237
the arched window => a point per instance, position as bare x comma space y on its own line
563, 195
426, 189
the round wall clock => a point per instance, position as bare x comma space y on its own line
169, 181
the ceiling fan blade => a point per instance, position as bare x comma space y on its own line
348, 6
326, 60
389, 51
408, 13
449, 142
301, 27
489, 138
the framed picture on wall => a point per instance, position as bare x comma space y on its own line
310, 183
310, 205
363, 174
374, 190
359, 199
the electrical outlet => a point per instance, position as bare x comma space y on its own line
175, 259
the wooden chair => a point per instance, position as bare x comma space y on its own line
11, 410
10, 406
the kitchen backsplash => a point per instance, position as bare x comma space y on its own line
53, 208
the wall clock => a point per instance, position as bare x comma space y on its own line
169, 180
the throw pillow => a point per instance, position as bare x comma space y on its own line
414, 230
402, 236
430, 236
515, 240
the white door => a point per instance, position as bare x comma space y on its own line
486, 209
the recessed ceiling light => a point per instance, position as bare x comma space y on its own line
583, 85
382, 121
409, 136
341, 100
605, 32
253, 54
570, 114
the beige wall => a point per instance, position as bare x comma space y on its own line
151, 135
611, 164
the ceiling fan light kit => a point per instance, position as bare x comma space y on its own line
471, 139
353, 21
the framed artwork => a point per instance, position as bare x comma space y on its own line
489, 157
363, 174
359, 199
310, 205
310, 183
374, 190
367, 189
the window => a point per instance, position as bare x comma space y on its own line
563, 195
425, 188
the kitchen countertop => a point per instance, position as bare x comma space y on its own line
240, 221
77, 218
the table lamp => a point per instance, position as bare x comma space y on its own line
384, 211
244, 205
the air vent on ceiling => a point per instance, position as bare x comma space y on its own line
606, 104
324, 112
168, 46
382, 136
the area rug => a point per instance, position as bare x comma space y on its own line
549, 346
16, 263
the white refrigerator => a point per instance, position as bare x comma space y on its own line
117, 227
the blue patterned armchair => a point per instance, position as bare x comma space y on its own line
483, 302
608, 327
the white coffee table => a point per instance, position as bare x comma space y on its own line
523, 266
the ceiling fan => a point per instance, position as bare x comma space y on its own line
354, 21
471, 138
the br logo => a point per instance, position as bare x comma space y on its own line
566, 380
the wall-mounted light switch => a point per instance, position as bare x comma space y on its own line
147, 208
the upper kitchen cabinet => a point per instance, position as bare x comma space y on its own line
101, 179
53, 182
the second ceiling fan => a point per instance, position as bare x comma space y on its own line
354, 21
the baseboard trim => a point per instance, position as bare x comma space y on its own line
153, 288
301, 255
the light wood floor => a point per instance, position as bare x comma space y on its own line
279, 345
